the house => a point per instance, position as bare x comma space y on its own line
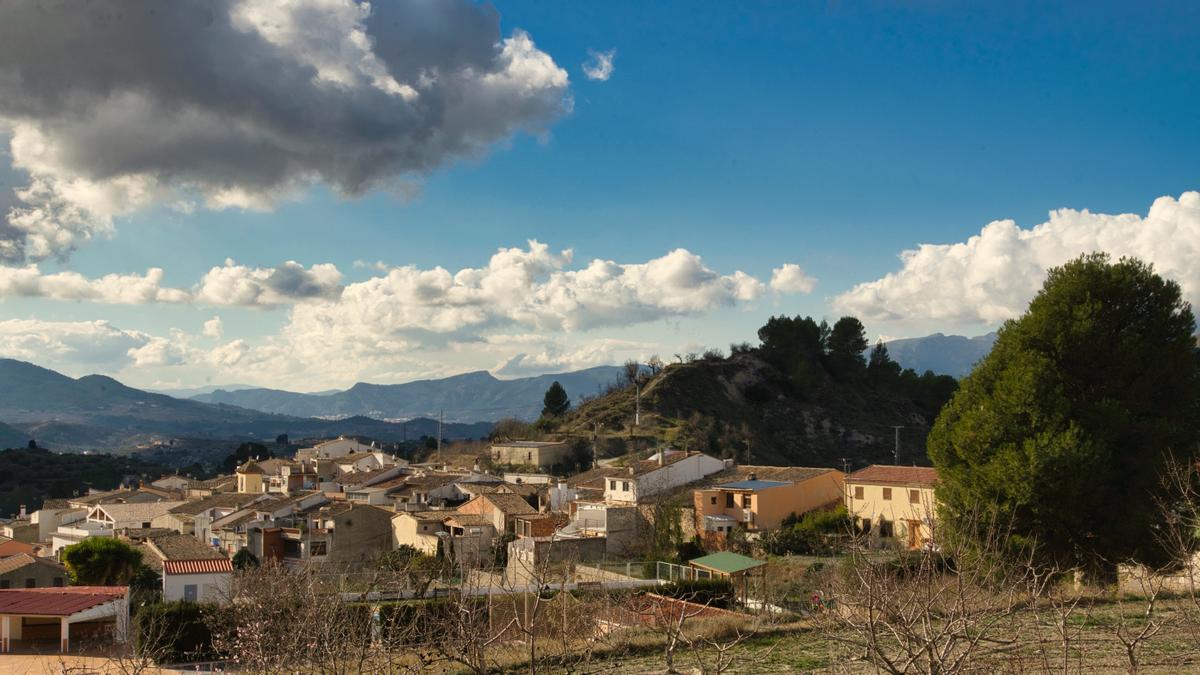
336, 532
621, 526
195, 517
212, 486
665, 470
54, 513
32, 618
537, 454
251, 479
759, 503
893, 501
119, 496
73, 533
174, 483
334, 449
191, 570
499, 508
202, 580
26, 571
129, 516
464, 537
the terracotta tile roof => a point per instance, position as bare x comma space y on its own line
12, 546
61, 601
216, 501
646, 466
13, 563
895, 475
508, 503
594, 478
56, 504
204, 566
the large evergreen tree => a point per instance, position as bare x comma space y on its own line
556, 402
101, 561
1061, 432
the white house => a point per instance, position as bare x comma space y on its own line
335, 449
129, 516
207, 580
665, 470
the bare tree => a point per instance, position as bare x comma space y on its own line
631, 372
937, 610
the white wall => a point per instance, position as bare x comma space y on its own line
213, 587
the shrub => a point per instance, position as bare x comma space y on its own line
711, 592
173, 632
816, 532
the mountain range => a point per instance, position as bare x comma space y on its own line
469, 397
943, 354
98, 412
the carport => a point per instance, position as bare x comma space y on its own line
31, 617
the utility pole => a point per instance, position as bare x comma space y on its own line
637, 403
595, 443
439, 439
896, 450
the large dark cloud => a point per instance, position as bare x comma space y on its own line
113, 105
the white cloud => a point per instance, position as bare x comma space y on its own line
213, 328
240, 103
599, 65
789, 278
543, 356
234, 284
993, 275
73, 346
124, 289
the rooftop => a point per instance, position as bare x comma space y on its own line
753, 484
727, 562
201, 566
895, 475
527, 444
58, 601
13, 563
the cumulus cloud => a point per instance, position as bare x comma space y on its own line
599, 65
124, 289
993, 275
789, 278
74, 346
213, 328
234, 284
239, 103
543, 356
527, 287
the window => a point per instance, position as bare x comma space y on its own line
31, 583
625, 486
746, 500
4, 583
729, 500
189, 593
858, 492
612, 485
145, 525
318, 548
58, 582
914, 496
713, 501
887, 493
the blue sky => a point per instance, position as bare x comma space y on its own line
832, 136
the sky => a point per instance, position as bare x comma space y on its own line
304, 194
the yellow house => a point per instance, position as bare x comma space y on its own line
764, 498
250, 478
893, 501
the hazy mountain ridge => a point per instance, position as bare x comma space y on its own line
943, 354
98, 412
473, 397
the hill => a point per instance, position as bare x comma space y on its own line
461, 398
943, 354
98, 412
748, 407
29, 476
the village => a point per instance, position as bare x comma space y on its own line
344, 505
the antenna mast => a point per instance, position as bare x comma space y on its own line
896, 450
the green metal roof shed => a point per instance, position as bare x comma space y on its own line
727, 562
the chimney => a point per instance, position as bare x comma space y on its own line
753, 476
662, 457
22, 511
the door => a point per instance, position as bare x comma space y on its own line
915, 540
